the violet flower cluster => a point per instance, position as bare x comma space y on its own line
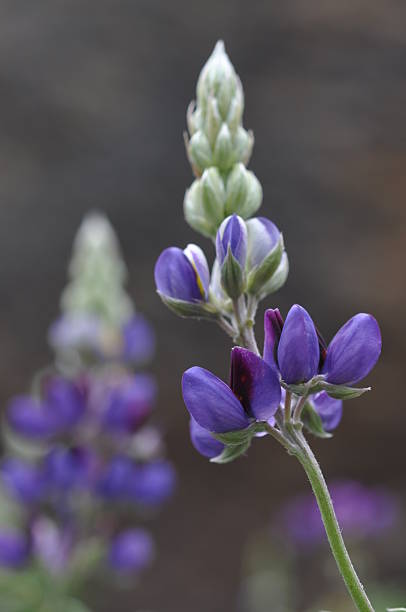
84, 468
298, 378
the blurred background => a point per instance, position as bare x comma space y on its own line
92, 109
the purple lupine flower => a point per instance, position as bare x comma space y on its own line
299, 351
130, 404
183, 275
131, 551
329, 409
253, 395
62, 407
204, 442
65, 399
24, 481
362, 512
51, 544
14, 548
298, 348
138, 340
353, 351
67, 468
263, 236
232, 237
31, 418
114, 480
152, 483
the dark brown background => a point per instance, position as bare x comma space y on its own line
92, 108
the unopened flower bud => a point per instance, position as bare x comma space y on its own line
265, 248
182, 279
200, 152
224, 154
278, 279
243, 192
218, 78
231, 248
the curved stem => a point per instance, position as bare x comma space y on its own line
245, 326
321, 492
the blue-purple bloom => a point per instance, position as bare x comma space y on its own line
232, 238
329, 409
183, 275
14, 548
130, 404
204, 442
61, 408
67, 468
23, 481
253, 395
361, 511
299, 352
152, 483
131, 551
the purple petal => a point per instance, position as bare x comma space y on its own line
138, 340
14, 548
329, 409
68, 468
152, 483
22, 480
298, 350
129, 404
198, 260
113, 484
203, 441
255, 383
263, 236
30, 418
232, 234
273, 324
211, 402
353, 351
66, 401
175, 276
131, 550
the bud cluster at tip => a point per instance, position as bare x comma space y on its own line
219, 148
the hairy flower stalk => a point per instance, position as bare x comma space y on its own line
299, 382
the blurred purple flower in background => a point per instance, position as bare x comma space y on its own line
14, 548
362, 511
81, 455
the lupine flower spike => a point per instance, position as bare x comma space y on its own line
300, 382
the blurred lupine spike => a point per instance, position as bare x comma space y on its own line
91, 450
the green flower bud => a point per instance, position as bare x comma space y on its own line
195, 213
223, 149
213, 196
218, 78
278, 278
243, 192
200, 153
243, 144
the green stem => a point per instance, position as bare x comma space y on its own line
321, 492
